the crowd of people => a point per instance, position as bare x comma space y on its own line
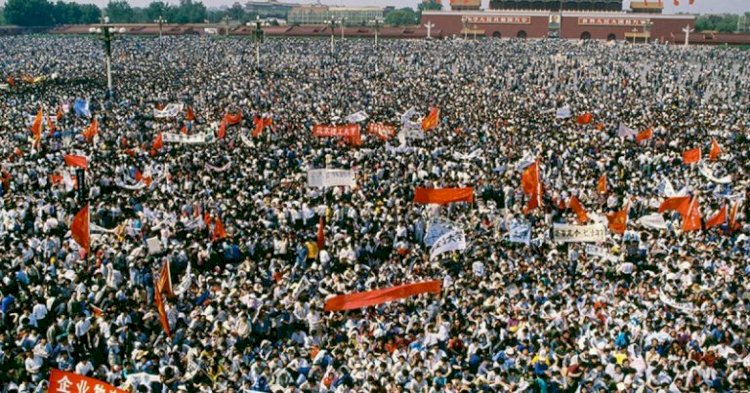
656, 309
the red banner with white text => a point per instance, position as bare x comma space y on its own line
65, 382
350, 132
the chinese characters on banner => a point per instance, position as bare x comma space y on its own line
506, 20
350, 132
563, 233
382, 131
612, 22
64, 382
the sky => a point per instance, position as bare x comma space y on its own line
701, 6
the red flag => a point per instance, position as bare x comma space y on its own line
532, 186
190, 116
79, 228
431, 120
158, 142
601, 185
679, 204
138, 176
321, 232
713, 155
76, 161
358, 300
36, 126
443, 196
733, 224
183, 130
260, 124
51, 126
233, 118
676, 3
162, 313
692, 219
618, 221
11, 81
578, 209
92, 130
59, 113
62, 381
644, 135
585, 118
219, 232
718, 219
692, 156
222, 130
164, 284
96, 310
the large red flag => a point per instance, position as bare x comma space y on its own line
189, 116
321, 232
233, 118
431, 120
63, 381
618, 221
443, 196
158, 142
692, 156
357, 300
715, 151
164, 285
717, 219
36, 127
222, 130
532, 186
679, 204
585, 118
578, 209
219, 231
50, 126
644, 135
260, 124
92, 130
162, 312
601, 185
76, 161
79, 228
692, 219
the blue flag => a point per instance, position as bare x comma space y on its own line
81, 107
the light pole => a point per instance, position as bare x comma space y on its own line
465, 24
226, 20
475, 32
647, 29
258, 36
342, 29
429, 27
635, 31
332, 22
687, 30
106, 33
376, 23
161, 21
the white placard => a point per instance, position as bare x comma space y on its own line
330, 178
563, 233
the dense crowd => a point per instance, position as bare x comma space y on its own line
661, 310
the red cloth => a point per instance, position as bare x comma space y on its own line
79, 228
691, 221
91, 131
76, 161
321, 232
189, 116
585, 118
431, 120
718, 219
164, 285
219, 231
679, 204
644, 135
580, 212
692, 156
618, 221
357, 300
233, 118
443, 196
713, 155
601, 185
260, 124
382, 131
162, 313
532, 187
222, 130
36, 126
158, 142
61, 381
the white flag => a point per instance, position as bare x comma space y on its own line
520, 233
330, 178
357, 117
451, 241
187, 281
710, 176
652, 221
171, 110
564, 112
625, 131
436, 229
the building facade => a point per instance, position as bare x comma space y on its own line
269, 9
319, 14
557, 5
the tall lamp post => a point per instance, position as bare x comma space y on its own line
161, 21
429, 27
226, 20
258, 37
465, 24
687, 30
106, 33
647, 29
376, 23
342, 28
635, 31
332, 22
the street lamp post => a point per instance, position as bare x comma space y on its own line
332, 22
161, 21
226, 20
635, 31
106, 33
376, 23
647, 29
342, 29
429, 27
258, 35
475, 32
687, 30
465, 24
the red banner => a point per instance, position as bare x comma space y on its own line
350, 132
64, 382
443, 196
357, 300
382, 131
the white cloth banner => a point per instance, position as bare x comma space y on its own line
652, 221
474, 154
221, 168
169, 137
600, 252
520, 233
406, 116
684, 307
186, 283
524, 163
357, 117
564, 112
625, 132
330, 178
451, 241
154, 245
436, 229
564, 233
4, 86
171, 110
710, 176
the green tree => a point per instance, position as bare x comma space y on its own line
90, 13
402, 17
2, 16
119, 11
66, 13
159, 8
190, 12
722, 23
29, 12
430, 5
237, 13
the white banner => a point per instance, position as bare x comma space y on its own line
652, 221
219, 169
600, 252
171, 110
436, 229
330, 178
684, 307
520, 233
625, 131
710, 176
406, 116
357, 117
154, 245
169, 137
451, 241
563, 233
524, 163
4, 86
564, 112
474, 154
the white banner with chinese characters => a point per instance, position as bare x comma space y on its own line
330, 178
563, 233
451, 241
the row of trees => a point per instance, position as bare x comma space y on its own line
46, 13
188, 11
723, 23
